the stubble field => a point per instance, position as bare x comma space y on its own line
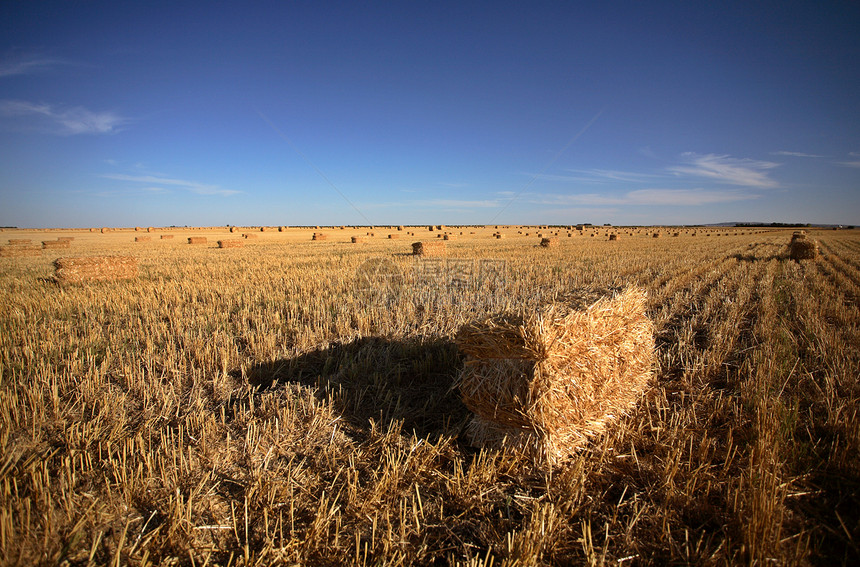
290, 402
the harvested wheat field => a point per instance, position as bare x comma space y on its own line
632, 402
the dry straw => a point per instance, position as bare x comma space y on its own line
196, 240
358, 239
803, 249
55, 244
429, 248
548, 381
319, 236
94, 268
448, 237
66, 238
248, 235
550, 242
166, 236
230, 243
20, 250
142, 238
20, 241
393, 236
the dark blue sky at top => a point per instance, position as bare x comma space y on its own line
277, 113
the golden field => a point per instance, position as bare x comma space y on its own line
290, 402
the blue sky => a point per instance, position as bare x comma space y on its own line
149, 113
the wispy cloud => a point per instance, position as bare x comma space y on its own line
795, 154
457, 203
851, 163
157, 184
27, 65
645, 197
725, 169
600, 176
62, 121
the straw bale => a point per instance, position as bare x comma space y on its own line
550, 242
150, 229
264, 228
798, 235
234, 229
93, 268
613, 237
393, 236
19, 250
358, 239
400, 227
656, 235
319, 236
250, 235
428, 248
499, 236
66, 238
803, 249
53, 244
676, 234
142, 238
231, 243
282, 228
105, 229
547, 381
448, 237
20, 241
94, 230
137, 229
196, 240
166, 236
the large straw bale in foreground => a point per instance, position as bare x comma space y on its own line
93, 268
429, 248
549, 381
803, 249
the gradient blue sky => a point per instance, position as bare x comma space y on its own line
208, 113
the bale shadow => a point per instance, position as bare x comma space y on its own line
381, 379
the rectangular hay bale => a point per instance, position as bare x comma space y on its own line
94, 268
196, 240
429, 248
231, 243
20, 250
546, 382
55, 244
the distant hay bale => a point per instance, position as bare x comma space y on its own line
20, 250
448, 237
66, 238
676, 234
656, 235
357, 239
166, 236
803, 249
105, 230
393, 236
55, 244
798, 235
282, 228
142, 238
550, 242
319, 236
196, 240
137, 229
400, 227
231, 243
429, 248
613, 237
94, 268
20, 241
264, 228
234, 229
499, 236
150, 229
94, 230
431, 228
547, 381
252, 235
